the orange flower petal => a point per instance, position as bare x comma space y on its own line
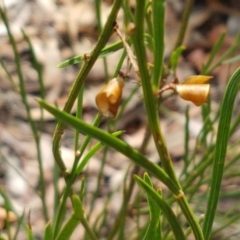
198, 79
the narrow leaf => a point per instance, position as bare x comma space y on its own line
73, 221
113, 142
48, 232
166, 210
175, 56
104, 53
214, 52
91, 152
153, 231
232, 60
29, 232
221, 150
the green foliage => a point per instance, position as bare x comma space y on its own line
173, 213
30, 233
112, 48
48, 231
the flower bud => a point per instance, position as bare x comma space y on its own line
130, 29
108, 99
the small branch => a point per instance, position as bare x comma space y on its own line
130, 54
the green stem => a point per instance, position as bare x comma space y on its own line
99, 22
9, 76
229, 51
167, 211
88, 229
184, 23
112, 48
76, 217
56, 177
150, 102
69, 182
158, 35
133, 155
114, 142
28, 111
8, 205
79, 114
85, 69
99, 178
120, 218
186, 143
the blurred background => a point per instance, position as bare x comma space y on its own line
62, 29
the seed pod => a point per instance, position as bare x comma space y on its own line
196, 93
108, 99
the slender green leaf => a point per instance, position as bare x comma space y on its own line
184, 22
133, 155
19, 223
104, 53
150, 100
82, 188
91, 152
153, 231
213, 53
68, 228
186, 139
9, 206
150, 103
225, 55
232, 60
78, 83
220, 150
48, 231
29, 232
9, 76
175, 56
113, 142
166, 210
36, 64
23, 94
73, 221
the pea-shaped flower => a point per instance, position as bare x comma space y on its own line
192, 89
109, 98
197, 93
